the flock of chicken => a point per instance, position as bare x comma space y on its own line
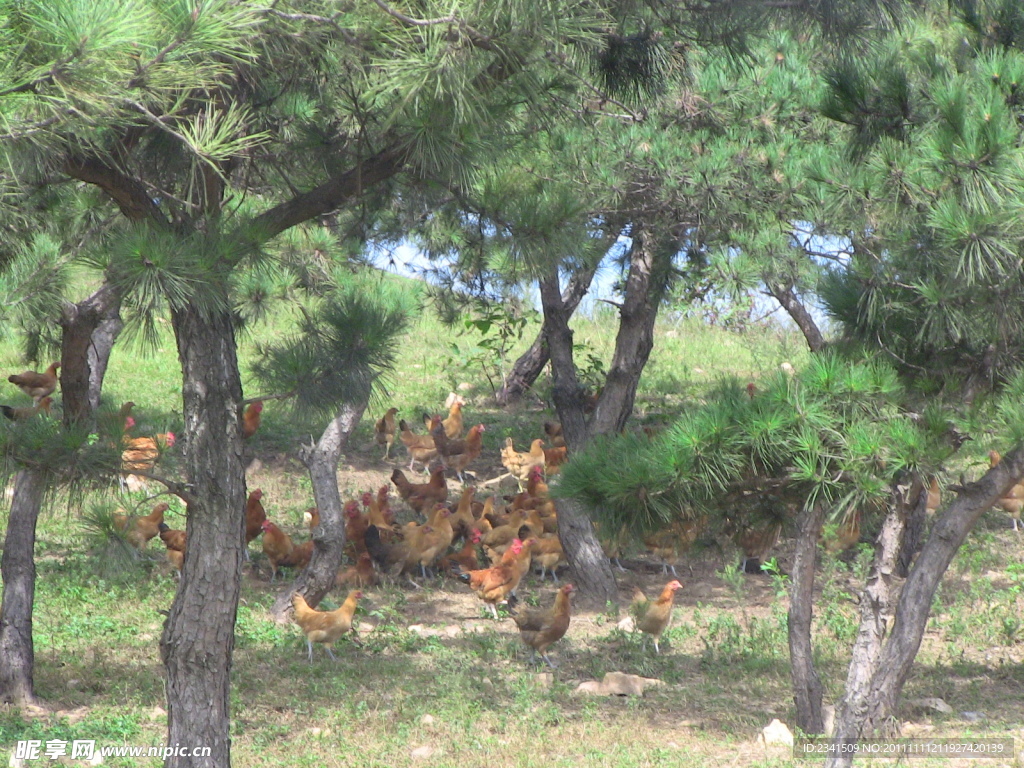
447, 537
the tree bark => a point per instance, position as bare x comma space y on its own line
645, 287
591, 570
530, 364
807, 688
790, 302
329, 537
18, 568
878, 672
198, 637
90, 329
566, 389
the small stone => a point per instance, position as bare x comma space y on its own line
73, 683
543, 680
96, 759
973, 717
422, 753
314, 731
452, 630
487, 682
427, 720
464, 387
777, 733
627, 624
934, 704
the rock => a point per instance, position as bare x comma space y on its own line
96, 759
776, 733
365, 627
627, 624
314, 731
973, 717
464, 387
427, 720
543, 680
788, 369
618, 684
422, 753
934, 704
452, 630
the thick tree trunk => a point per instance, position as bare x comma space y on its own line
329, 538
790, 302
198, 637
807, 689
878, 672
18, 568
566, 389
645, 286
90, 329
591, 570
531, 363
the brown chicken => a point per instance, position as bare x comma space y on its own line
669, 543
324, 626
492, 585
554, 458
378, 510
554, 432
458, 454
360, 575
384, 431
653, 618
36, 385
27, 411
396, 553
547, 552
1013, 501
356, 524
540, 629
311, 517
255, 516
140, 455
519, 464
845, 536
175, 542
466, 558
281, 552
432, 544
421, 496
251, 418
934, 497
139, 530
421, 448
756, 541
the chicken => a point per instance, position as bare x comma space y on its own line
140, 454
380, 513
498, 539
359, 575
36, 385
281, 552
1013, 501
175, 542
251, 418
554, 432
324, 626
492, 585
255, 516
421, 496
541, 629
453, 424
463, 520
535, 485
466, 558
519, 464
845, 536
421, 448
388, 551
28, 411
384, 432
934, 497
457, 454
429, 547
356, 524
756, 541
554, 458
547, 552
311, 517
653, 618
139, 530
669, 543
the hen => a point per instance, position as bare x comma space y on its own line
384, 432
554, 432
324, 626
175, 542
281, 552
359, 575
251, 418
421, 496
140, 455
421, 448
653, 618
541, 629
1013, 501
458, 454
139, 530
493, 585
27, 411
255, 516
669, 543
36, 385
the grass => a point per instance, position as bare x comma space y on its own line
431, 673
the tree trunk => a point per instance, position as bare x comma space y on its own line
18, 568
645, 286
878, 672
790, 302
90, 328
807, 689
199, 636
566, 389
329, 538
591, 569
531, 363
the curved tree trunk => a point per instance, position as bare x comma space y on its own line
878, 671
90, 329
531, 363
790, 302
807, 689
635, 337
198, 637
18, 568
329, 538
566, 390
